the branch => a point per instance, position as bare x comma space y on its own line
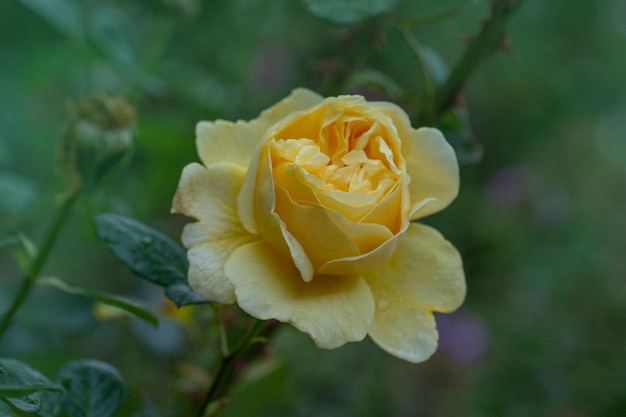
479, 47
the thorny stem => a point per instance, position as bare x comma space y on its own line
224, 375
479, 47
31, 275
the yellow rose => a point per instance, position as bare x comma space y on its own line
304, 216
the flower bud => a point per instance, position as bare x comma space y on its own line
97, 140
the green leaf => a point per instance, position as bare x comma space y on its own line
150, 254
26, 252
93, 388
455, 126
52, 404
18, 194
440, 15
183, 295
434, 65
117, 301
63, 15
348, 11
19, 385
30, 403
9, 241
5, 410
17, 378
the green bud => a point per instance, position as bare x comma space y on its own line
98, 139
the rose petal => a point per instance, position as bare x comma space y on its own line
389, 210
300, 99
206, 269
246, 200
332, 309
430, 162
424, 274
309, 124
235, 142
434, 171
209, 195
367, 236
268, 223
226, 141
405, 332
365, 261
320, 237
312, 222
425, 269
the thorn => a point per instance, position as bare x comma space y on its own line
379, 39
467, 38
504, 44
324, 66
458, 99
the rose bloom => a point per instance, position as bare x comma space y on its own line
304, 215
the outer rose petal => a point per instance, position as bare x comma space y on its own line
425, 274
433, 169
405, 332
333, 310
235, 142
209, 195
430, 162
270, 225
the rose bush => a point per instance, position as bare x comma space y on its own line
304, 216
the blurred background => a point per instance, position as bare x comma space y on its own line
540, 220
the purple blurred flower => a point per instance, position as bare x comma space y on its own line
462, 336
509, 186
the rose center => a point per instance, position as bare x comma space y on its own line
341, 160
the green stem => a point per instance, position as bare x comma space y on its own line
479, 48
224, 375
31, 275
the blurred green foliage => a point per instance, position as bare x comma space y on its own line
539, 221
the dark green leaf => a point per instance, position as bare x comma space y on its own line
182, 294
30, 403
120, 302
19, 384
5, 410
93, 388
52, 404
150, 254
17, 378
348, 11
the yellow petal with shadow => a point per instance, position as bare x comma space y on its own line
311, 225
425, 274
209, 196
434, 171
236, 141
333, 310
266, 220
